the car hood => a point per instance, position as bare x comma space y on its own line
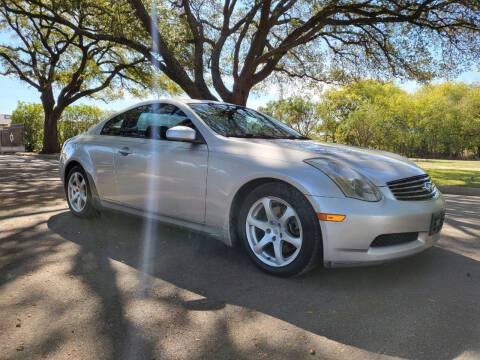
379, 166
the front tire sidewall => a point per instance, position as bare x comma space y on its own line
88, 210
310, 253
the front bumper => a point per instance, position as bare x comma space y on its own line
347, 243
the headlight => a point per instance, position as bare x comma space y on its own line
351, 182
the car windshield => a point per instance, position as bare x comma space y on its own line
239, 121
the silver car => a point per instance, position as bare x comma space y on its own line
247, 178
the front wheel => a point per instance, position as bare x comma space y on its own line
79, 196
280, 230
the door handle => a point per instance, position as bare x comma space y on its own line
124, 151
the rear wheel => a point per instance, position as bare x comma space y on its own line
79, 196
279, 230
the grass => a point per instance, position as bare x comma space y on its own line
452, 172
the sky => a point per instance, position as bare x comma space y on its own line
12, 91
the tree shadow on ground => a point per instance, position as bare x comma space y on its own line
92, 266
423, 307
23, 255
463, 216
29, 250
28, 180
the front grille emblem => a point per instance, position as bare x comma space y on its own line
427, 186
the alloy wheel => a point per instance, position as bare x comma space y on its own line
274, 231
77, 192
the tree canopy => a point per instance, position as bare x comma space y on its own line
224, 49
61, 63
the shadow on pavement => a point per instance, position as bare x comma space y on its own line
36, 184
92, 265
424, 307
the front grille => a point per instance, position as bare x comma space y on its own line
394, 239
418, 187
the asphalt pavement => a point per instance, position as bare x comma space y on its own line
72, 288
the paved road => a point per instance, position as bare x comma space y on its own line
69, 288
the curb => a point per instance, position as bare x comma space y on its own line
46, 156
459, 190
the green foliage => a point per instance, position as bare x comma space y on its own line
438, 120
31, 116
367, 113
298, 113
78, 119
74, 120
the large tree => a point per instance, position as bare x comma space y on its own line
61, 63
225, 48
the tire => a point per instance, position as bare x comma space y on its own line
77, 183
296, 235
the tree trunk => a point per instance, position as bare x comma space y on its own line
52, 114
241, 90
50, 133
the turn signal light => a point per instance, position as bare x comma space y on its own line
330, 217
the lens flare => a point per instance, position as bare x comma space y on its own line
150, 225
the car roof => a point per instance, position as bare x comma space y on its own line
181, 100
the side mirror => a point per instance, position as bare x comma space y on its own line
181, 133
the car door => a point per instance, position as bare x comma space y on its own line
158, 175
102, 152
130, 178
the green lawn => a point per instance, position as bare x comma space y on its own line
452, 172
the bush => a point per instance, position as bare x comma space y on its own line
78, 119
74, 120
31, 116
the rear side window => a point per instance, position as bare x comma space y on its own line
113, 126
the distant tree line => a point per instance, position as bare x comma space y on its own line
74, 120
441, 120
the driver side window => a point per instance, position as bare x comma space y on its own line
158, 118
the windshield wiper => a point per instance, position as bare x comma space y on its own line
301, 137
293, 137
253, 136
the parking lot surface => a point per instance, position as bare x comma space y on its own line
79, 289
